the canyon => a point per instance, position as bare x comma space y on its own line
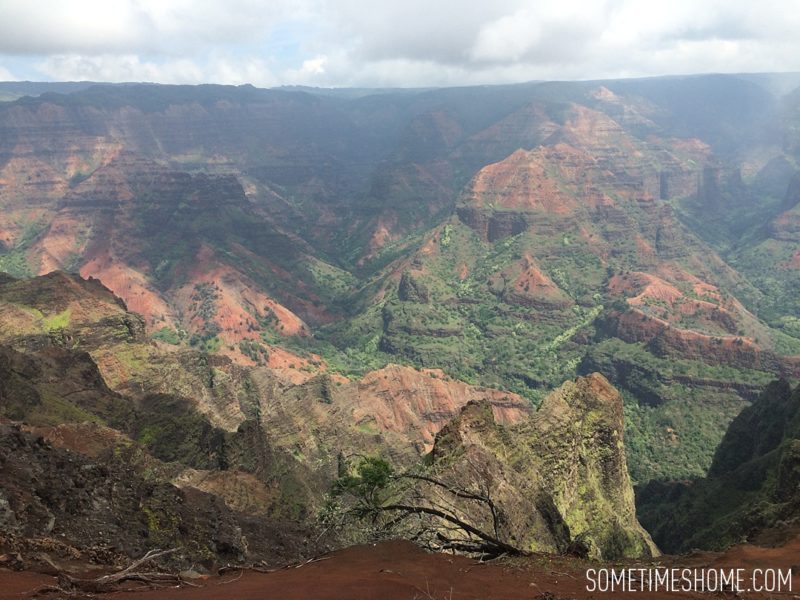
221, 298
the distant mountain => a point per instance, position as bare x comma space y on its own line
512, 236
12, 90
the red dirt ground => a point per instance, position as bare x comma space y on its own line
395, 570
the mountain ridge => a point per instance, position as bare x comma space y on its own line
275, 226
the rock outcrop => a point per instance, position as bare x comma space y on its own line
101, 509
664, 340
396, 410
559, 478
64, 310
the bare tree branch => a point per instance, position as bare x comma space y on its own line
72, 586
498, 544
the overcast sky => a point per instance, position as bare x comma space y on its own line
391, 43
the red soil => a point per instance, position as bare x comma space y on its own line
533, 280
380, 237
237, 302
662, 299
133, 287
463, 270
399, 570
522, 182
528, 124
21, 585
593, 130
292, 368
419, 403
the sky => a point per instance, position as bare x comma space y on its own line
413, 43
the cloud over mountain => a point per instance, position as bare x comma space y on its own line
411, 43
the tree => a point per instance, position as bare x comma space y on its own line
422, 506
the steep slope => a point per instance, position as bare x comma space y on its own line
397, 410
748, 214
556, 482
129, 469
254, 438
513, 236
59, 504
559, 253
770, 256
568, 470
65, 312
752, 486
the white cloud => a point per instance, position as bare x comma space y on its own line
125, 68
314, 66
393, 42
80, 25
551, 32
5, 75
440, 31
136, 26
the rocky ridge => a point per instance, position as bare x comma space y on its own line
110, 472
560, 478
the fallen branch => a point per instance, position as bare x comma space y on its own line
237, 578
262, 568
312, 560
73, 586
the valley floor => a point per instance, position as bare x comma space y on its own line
400, 570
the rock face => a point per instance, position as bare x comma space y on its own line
243, 447
97, 469
752, 486
64, 310
663, 340
559, 478
396, 411
411, 290
102, 507
153, 461
588, 167
499, 234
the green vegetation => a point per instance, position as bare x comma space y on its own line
335, 286
58, 321
207, 341
78, 177
740, 227
366, 483
204, 307
54, 410
676, 410
463, 325
677, 440
521, 313
172, 430
255, 351
72, 262
204, 300
167, 335
752, 484
15, 261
